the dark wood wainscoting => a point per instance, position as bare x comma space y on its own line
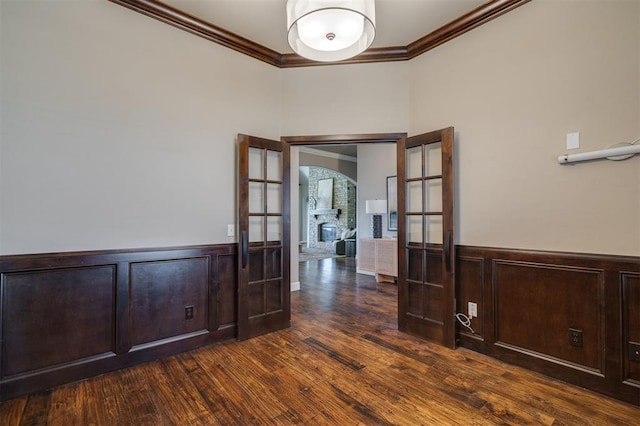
575, 317
68, 316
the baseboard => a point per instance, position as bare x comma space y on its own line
295, 286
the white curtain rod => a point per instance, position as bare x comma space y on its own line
603, 153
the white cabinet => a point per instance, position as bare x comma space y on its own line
379, 257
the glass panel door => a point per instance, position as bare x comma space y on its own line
426, 275
263, 267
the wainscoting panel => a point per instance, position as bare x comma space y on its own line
470, 288
39, 308
69, 316
572, 316
164, 294
537, 306
631, 327
225, 303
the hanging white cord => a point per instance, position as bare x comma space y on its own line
622, 157
465, 320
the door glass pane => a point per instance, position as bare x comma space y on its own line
414, 229
256, 163
434, 229
274, 228
256, 266
274, 263
414, 197
433, 302
274, 198
433, 195
433, 159
256, 299
414, 297
434, 267
414, 162
414, 265
256, 197
274, 165
256, 228
274, 296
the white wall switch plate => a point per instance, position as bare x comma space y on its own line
573, 140
231, 230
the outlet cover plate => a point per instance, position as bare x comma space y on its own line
472, 309
634, 352
575, 337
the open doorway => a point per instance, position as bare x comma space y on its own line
373, 157
425, 226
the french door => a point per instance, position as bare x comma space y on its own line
426, 250
264, 239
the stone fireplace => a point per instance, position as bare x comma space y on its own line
340, 217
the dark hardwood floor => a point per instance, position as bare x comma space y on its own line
342, 362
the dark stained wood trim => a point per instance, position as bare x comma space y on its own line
343, 139
557, 257
194, 25
179, 19
479, 16
374, 54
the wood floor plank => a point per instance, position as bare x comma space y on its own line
11, 411
343, 361
36, 409
218, 403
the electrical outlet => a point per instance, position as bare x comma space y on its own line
634, 351
472, 309
188, 312
231, 230
575, 337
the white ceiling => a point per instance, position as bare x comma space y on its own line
398, 22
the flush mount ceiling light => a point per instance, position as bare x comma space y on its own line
330, 30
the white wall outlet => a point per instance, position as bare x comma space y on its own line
573, 140
231, 230
473, 310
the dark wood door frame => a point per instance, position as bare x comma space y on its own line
343, 139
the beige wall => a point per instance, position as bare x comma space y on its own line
342, 99
375, 163
513, 89
118, 130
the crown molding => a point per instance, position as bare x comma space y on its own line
478, 16
179, 19
197, 26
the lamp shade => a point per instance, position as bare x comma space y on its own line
375, 206
330, 30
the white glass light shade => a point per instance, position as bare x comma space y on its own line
330, 30
375, 206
